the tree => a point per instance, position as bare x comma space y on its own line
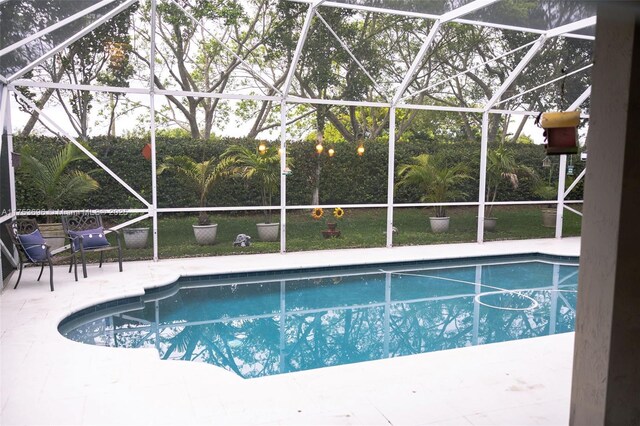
102, 56
435, 181
265, 167
193, 58
52, 179
502, 167
200, 177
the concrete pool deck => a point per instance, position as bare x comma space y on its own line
47, 379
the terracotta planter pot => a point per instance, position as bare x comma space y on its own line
331, 231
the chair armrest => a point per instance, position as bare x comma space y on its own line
115, 231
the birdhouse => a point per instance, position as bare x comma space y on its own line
561, 132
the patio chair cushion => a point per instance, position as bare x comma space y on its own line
91, 239
34, 246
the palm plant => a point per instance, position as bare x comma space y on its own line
200, 177
265, 167
433, 179
54, 182
503, 168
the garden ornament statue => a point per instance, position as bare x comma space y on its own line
242, 240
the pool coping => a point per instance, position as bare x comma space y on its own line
75, 374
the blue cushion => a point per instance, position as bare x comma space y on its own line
33, 244
91, 239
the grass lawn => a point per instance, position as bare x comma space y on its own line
359, 228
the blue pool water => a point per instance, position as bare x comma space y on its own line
271, 323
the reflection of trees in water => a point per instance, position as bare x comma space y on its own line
307, 338
431, 326
334, 337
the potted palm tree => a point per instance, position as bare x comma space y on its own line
501, 168
436, 182
265, 167
57, 185
201, 178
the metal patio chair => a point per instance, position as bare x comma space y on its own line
33, 249
87, 234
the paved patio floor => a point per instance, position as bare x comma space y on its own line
49, 380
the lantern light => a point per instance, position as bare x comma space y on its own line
360, 150
546, 163
146, 151
262, 148
319, 148
331, 152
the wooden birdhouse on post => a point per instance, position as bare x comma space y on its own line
561, 132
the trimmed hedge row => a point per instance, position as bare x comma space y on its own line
345, 178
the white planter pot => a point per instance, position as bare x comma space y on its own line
549, 218
268, 231
205, 234
135, 238
439, 224
490, 223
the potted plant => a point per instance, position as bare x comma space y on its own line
57, 186
548, 192
332, 230
201, 178
436, 182
263, 165
501, 168
136, 236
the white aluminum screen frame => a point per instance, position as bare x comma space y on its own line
284, 98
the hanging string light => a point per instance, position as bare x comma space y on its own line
262, 148
319, 148
331, 152
360, 149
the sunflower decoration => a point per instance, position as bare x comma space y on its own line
317, 213
338, 213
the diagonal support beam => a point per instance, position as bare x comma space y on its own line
583, 97
537, 46
449, 16
296, 55
55, 26
73, 39
346, 48
480, 65
8, 254
562, 77
574, 26
83, 149
416, 62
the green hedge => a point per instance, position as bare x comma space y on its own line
345, 178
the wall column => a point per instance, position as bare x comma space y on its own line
606, 376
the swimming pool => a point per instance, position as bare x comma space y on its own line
258, 324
